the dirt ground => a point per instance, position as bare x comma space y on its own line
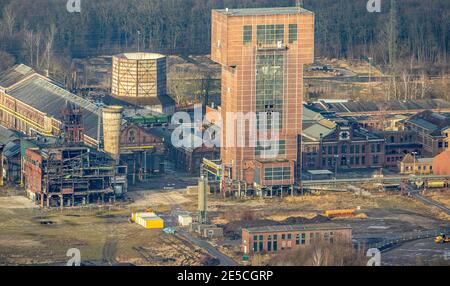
381, 216
442, 197
104, 236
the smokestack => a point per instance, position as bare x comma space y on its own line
202, 199
112, 121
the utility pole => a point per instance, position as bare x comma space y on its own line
414, 163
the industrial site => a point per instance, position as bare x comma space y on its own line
262, 151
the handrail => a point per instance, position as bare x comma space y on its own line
27, 121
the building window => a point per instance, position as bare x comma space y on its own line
255, 237
269, 88
297, 239
131, 137
247, 35
255, 247
261, 237
283, 236
290, 236
269, 246
266, 150
269, 34
376, 159
277, 174
293, 33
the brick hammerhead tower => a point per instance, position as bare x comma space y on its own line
262, 52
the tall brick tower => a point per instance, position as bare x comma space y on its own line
262, 52
73, 124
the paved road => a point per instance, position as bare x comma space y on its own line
224, 260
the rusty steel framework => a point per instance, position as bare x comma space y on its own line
70, 173
78, 175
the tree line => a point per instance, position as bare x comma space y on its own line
43, 34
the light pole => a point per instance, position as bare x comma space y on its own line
336, 166
414, 162
370, 74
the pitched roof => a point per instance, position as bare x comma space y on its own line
313, 132
49, 98
14, 75
280, 228
371, 106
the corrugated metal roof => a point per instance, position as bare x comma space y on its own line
370, 106
14, 75
11, 149
263, 11
315, 130
282, 228
7, 135
310, 115
424, 124
50, 98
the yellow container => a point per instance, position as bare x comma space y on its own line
152, 222
136, 216
436, 184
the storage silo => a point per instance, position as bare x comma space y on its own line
112, 121
138, 75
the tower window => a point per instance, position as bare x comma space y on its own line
293, 33
247, 35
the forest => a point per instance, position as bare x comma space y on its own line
43, 34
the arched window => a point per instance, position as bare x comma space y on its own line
131, 136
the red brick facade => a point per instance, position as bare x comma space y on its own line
272, 239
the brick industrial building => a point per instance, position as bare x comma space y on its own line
31, 104
69, 172
272, 239
262, 53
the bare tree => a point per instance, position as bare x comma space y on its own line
6, 61
9, 20
37, 43
49, 48
320, 253
29, 44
